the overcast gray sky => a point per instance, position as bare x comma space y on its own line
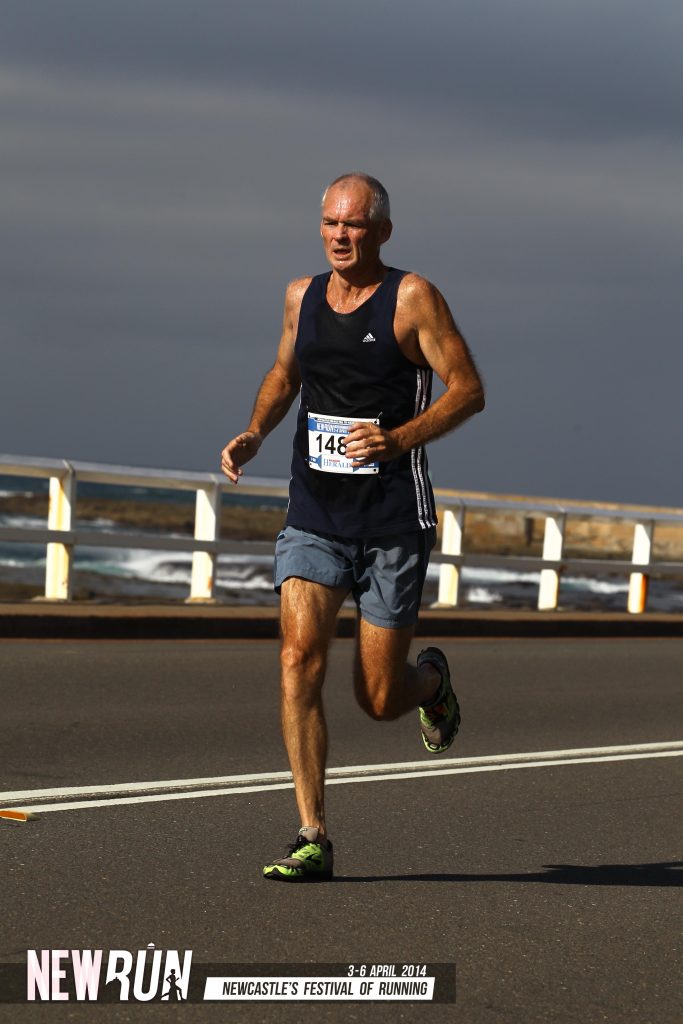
161, 165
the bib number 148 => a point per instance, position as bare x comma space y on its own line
326, 448
330, 443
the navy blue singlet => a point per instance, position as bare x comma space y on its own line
351, 365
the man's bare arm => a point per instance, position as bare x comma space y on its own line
446, 351
442, 346
276, 394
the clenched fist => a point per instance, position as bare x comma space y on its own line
368, 442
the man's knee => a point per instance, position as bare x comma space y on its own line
303, 668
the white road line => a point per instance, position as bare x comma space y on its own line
228, 785
167, 785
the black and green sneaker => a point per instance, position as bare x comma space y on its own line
440, 718
310, 859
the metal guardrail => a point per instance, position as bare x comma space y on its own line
552, 562
62, 538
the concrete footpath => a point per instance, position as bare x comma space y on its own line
92, 620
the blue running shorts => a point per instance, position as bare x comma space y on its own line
385, 575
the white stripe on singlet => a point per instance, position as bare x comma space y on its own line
430, 512
416, 454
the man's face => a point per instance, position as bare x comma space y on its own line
351, 240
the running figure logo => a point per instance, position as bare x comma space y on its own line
173, 990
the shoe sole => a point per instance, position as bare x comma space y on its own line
444, 746
297, 879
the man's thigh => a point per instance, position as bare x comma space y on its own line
383, 681
308, 612
313, 573
381, 654
316, 557
388, 587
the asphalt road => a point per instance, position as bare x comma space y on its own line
554, 889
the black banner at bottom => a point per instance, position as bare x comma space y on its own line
120, 976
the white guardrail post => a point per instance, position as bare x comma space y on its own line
59, 557
642, 555
553, 542
451, 544
206, 527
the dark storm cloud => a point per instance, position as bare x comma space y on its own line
161, 170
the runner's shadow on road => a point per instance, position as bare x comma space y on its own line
558, 874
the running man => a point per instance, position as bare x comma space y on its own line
359, 345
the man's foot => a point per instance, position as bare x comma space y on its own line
310, 860
440, 718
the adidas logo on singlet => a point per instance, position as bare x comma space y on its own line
369, 337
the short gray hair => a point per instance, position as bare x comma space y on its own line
379, 205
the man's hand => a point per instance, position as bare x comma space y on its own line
238, 451
368, 442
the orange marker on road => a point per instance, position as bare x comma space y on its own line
16, 815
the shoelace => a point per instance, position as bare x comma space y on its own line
300, 841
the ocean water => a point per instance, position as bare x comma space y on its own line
247, 579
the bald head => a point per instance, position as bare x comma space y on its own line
379, 208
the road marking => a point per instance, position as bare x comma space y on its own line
227, 785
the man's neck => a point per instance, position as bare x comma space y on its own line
352, 288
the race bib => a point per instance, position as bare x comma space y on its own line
326, 451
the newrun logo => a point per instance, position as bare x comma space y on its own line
60, 975
98, 977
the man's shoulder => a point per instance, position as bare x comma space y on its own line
417, 296
297, 287
413, 287
296, 290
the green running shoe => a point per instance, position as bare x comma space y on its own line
310, 859
440, 719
